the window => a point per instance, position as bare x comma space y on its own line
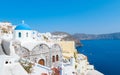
57, 58
19, 34
27, 34
33, 32
53, 59
6, 62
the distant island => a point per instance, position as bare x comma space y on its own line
81, 36
110, 36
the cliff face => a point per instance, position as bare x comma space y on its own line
97, 37
68, 37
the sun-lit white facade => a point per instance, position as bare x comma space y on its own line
40, 53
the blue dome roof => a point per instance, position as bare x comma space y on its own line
23, 27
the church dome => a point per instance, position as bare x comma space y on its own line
23, 27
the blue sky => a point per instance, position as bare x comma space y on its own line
73, 16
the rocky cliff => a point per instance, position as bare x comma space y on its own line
68, 37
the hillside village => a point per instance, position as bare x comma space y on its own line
24, 51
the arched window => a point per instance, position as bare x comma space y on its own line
57, 58
53, 58
19, 34
27, 34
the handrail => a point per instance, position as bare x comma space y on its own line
38, 65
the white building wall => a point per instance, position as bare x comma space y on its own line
10, 66
23, 35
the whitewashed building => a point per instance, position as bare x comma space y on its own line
41, 52
45, 53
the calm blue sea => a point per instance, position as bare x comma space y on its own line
103, 54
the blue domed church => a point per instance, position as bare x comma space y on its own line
36, 50
22, 32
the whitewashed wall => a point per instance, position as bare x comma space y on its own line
23, 34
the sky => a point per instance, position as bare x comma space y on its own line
72, 16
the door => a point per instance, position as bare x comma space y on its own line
41, 62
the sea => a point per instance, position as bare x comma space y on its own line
103, 54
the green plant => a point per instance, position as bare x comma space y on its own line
75, 55
45, 38
27, 67
75, 66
